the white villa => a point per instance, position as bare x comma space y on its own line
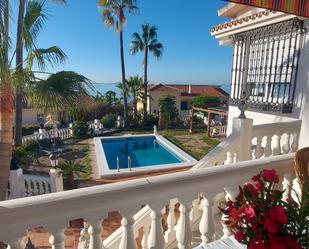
271, 71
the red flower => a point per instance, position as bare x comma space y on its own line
239, 235
256, 243
277, 214
271, 226
258, 186
277, 242
291, 243
256, 177
251, 189
270, 175
248, 211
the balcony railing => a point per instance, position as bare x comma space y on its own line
266, 140
54, 211
63, 133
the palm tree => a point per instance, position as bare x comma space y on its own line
114, 15
6, 100
11, 77
146, 42
69, 170
134, 85
30, 19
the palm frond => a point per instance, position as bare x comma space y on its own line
35, 17
53, 56
58, 91
156, 49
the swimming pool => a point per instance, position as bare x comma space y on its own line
140, 152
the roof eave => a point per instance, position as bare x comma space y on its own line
224, 35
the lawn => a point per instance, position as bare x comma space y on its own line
197, 144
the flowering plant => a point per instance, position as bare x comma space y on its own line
261, 219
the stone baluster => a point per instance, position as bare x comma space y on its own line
258, 153
277, 145
32, 187
56, 239
230, 194
235, 157
294, 143
267, 149
183, 231
127, 238
206, 227
286, 186
286, 144
156, 238
145, 237
195, 211
95, 228
170, 234
229, 158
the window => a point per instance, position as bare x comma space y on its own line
265, 64
184, 106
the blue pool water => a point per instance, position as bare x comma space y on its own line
144, 151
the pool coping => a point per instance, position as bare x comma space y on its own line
104, 170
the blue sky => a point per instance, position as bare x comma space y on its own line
191, 54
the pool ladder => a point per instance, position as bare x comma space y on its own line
129, 164
117, 163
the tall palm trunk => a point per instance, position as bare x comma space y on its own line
6, 113
134, 104
6, 135
123, 73
19, 67
145, 97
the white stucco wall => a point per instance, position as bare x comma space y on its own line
29, 116
302, 91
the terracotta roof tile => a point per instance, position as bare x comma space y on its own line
210, 90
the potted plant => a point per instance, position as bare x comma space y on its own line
261, 219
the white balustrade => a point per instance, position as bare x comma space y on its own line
55, 210
156, 237
94, 230
183, 231
267, 140
170, 233
22, 185
63, 133
207, 228
128, 237
275, 138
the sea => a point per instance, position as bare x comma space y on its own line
102, 88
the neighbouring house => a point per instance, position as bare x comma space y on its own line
183, 94
31, 116
270, 64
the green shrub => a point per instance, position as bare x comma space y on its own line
109, 120
80, 129
168, 110
23, 156
205, 101
152, 120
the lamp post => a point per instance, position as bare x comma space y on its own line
53, 160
